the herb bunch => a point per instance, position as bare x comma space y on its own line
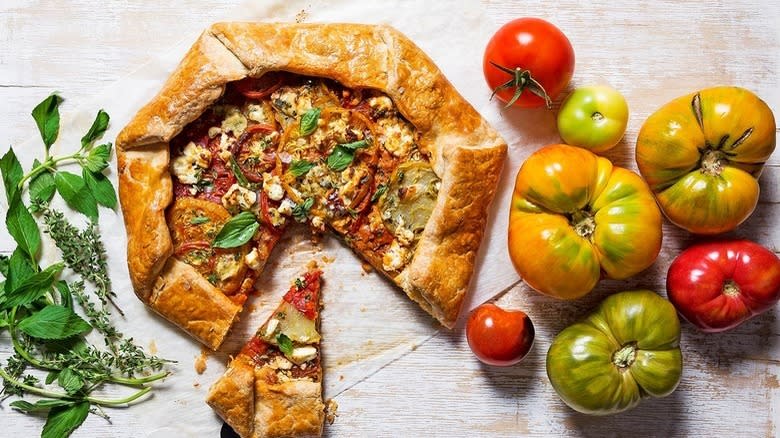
39, 310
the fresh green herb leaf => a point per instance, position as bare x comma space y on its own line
340, 158
299, 283
401, 175
380, 190
309, 121
52, 376
22, 227
66, 296
33, 287
285, 344
97, 159
41, 186
63, 420
197, 220
4, 319
76, 194
301, 211
299, 168
40, 405
212, 278
20, 268
240, 177
355, 145
54, 322
47, 117
97, 129
101, 188
4, 264
12, 173
70, 381
237, 231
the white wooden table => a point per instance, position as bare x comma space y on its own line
651, 50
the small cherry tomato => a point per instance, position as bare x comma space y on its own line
593, 118
528, 62
499, 337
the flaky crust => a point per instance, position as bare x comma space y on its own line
255, 404
466, 153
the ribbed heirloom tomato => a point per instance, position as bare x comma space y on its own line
702, 154
528, 62
575, 217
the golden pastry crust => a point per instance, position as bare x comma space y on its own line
466, 153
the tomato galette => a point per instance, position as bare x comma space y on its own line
273, 387
349, 129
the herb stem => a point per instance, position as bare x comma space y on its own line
48, 164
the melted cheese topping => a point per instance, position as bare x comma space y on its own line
395, 257
188, 166
238, 198
396, 135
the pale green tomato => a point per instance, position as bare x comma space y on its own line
593, 118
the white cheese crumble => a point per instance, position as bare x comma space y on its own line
188, 165
304, 354
273, 324
380, 105
396, 136
226, 267
286, 207
235, 122
318, 223
395, 257
256, 113
277, 219
273, 187
214, 131
238, 198
252, 259
280, 363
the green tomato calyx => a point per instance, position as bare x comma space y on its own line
625, 357
521, 81
583, 223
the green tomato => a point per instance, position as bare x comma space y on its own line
593, 118
627, 349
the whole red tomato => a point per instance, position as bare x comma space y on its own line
718, 285
499, 337
528, 62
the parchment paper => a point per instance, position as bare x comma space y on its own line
366, 322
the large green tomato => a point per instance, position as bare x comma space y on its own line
593, 117
629, 348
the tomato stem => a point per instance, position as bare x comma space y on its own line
712, 162
583, 223
730, 289
521, 81
626, 356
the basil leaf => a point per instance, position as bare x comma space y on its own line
22, 227
355, 145
285, 344
340, 158
199, 220
300, 167
41, 185
242, 181
379, 192
70, 381
12, 173
33, 287
19, 269
76, 194
97, 129
101, 188
309, 121
40, 405
237, 231
301, 211
97, 159
47, 117
63, 420
54, 322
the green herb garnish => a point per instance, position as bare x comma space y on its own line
380, 190
237, 231
299, 168
285, 344
301, 211
309, 121
197, 220
343, 154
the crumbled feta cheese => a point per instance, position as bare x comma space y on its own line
280, 363
277, 219
238, 198
214, 131
396, 136
317, 223
188, 165
225, 267
286, 207
395, 257
304, 354
271, 327
252, 259
380, 105
256, 113
273, 187
293, 101
235, 122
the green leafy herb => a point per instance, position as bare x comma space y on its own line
12, 173
47, 117
100, 187
380, 190
197, 220
22, 227
301, 211
63, 420
299, 283
42, 186
212, 278
299, 168
240, 177
97, 158
97, 129
309, 121
237, 231
40, 405
53, 322
33, 287
70, 381
343, 154
285, 344
19, 269
76, 194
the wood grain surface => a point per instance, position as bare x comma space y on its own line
652, 51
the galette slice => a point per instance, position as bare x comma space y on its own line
273, 387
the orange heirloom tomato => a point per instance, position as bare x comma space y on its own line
702, 154
575, 217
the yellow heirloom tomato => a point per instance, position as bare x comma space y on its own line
702, 154
574, 217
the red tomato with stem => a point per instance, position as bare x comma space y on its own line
499, 337
718, 285
528, 62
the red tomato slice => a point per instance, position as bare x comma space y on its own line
306, 298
